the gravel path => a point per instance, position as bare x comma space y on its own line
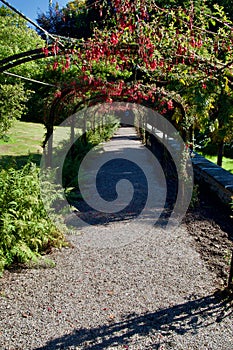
152, 292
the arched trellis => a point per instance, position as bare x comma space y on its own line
69, 93
32, 55
50, 120
53, 51
113, 45
24, 57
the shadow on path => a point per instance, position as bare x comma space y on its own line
180, 319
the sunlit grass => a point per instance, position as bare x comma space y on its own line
24, 141
227, 163
26, 138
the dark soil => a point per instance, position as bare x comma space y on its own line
211, 225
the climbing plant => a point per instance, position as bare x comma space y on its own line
175, 60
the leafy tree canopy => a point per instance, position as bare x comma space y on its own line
16, 37
75, 20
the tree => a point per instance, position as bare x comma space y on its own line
15, 37
12, 105
222, 129
75, 20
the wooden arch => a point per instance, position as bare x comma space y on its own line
31, 55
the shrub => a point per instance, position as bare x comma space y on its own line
25, 229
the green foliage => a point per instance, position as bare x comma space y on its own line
25, 229
74, 20
16, 37
12, 105
195, 197
224, 127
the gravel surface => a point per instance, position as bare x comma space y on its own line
153, 292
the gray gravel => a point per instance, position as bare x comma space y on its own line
153, 293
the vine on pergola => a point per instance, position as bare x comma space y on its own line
178, 61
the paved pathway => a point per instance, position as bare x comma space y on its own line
117, 288
130, 191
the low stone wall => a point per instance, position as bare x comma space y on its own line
216, 178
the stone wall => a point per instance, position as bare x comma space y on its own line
206, 173
216, 178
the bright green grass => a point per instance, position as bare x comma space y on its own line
25, 142
227, 163
24, 138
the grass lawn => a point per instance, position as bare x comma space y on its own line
24, 143
227, 163
24, 138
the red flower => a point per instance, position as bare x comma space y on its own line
149, 44
153, 65
170, 105
164, 111
193, 42
57, 94
108, 100
45, 50
161, 63
55, 65
67, 65
114, 39
131, 28
55, 49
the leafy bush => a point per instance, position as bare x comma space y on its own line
25, 229
12, 105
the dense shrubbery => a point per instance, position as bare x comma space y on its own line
25, 230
